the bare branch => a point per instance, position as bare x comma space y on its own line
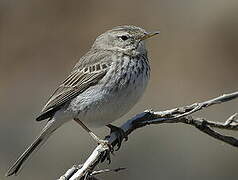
70, 172
176, 115
231, 119
203, 126
106, 171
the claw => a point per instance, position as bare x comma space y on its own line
119, 133
106, 143
120, 136
106, 156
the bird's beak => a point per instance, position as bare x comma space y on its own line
149, 35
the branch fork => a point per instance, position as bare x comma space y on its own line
148, 117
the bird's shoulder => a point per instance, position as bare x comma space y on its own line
94, 57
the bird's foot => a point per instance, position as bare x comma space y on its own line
106, 155
108, 150
106, 143
120, 135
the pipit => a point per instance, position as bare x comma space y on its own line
104, 85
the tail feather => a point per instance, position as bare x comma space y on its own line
40, 140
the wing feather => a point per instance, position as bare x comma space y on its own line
77, 82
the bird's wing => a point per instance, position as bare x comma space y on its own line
77, 82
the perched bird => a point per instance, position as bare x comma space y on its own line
103, 86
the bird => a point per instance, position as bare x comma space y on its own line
103, 86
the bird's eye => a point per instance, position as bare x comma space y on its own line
124, 38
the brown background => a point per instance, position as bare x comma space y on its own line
195, 58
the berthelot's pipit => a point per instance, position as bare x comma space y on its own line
104, 85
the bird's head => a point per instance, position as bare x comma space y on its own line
123, 38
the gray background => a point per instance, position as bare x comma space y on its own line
195, 58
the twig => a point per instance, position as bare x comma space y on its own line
70, 172
106, 171
176, 115
203, 126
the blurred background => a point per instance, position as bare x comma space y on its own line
194, 58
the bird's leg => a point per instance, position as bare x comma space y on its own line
119, 133
106, 154
94, 136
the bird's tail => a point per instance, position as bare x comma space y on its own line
47, 131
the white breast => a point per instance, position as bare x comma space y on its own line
114, 96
